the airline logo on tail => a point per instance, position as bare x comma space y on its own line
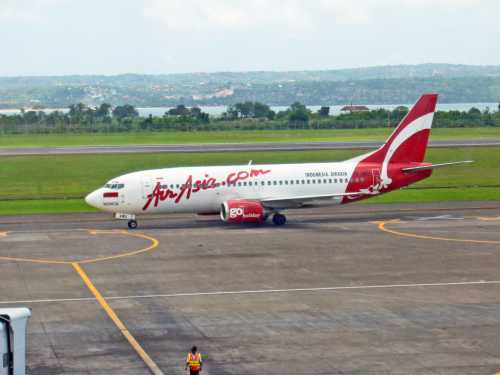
407, 144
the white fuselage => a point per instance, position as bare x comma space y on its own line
250, 193
204, 189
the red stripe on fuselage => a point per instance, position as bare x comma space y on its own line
110, 194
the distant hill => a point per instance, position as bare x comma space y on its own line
371, 85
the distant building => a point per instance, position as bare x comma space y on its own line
354, 108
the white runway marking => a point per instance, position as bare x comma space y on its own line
441, 217
261, 291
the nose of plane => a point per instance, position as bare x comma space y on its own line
93, 199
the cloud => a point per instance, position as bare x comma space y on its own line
287, 15
227, 15
211, 35
28, 10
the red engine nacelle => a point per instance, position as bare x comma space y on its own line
241, 211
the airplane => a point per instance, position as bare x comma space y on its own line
252, 193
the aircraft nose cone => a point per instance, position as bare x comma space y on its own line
93, 199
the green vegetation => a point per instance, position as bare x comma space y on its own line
372, 85
248, 116
415, 195
58, 183
301, 135
43, 206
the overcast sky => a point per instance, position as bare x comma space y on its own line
56, 37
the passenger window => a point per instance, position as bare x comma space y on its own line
275, 183
286, 182
245, 184
262, 183
239, 183
308, 181
291, 182
297, 182
250, 183
303, 182
269, 182
313, 181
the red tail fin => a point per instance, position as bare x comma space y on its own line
406, 146
408, 142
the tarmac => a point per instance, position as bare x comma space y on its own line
227, 147
361, 289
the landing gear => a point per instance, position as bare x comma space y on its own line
132, 224
279, 219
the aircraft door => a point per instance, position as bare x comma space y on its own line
147, 187
121, 194
376, 179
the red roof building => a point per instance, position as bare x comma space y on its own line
354, 108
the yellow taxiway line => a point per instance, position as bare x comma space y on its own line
112, 315
383, 228
153, 367
153, 244
489, 218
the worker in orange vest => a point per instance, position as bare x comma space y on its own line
194, 361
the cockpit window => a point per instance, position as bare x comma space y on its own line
114, 186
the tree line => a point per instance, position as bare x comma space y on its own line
248, 115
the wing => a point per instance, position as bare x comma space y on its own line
300, 201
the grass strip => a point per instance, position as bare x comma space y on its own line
166, 137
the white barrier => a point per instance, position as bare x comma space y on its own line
13, 325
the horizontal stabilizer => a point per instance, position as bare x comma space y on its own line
433, 166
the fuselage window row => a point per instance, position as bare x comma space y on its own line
249, 183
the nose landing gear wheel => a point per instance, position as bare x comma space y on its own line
132, 224
279, 219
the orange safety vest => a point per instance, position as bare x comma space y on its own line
194, 361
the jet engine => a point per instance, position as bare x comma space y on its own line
242, 211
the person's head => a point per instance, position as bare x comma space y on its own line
194, 349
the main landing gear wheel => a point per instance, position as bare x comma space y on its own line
279, 219
132, 224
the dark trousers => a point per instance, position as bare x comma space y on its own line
193, 372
